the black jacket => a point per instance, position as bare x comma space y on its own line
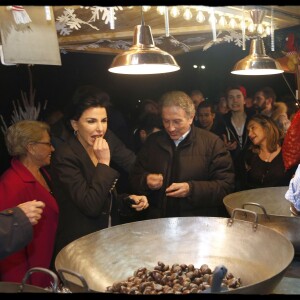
84, 192
201, 159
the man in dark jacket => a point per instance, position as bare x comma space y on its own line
183, 170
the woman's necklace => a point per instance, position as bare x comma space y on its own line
267, 159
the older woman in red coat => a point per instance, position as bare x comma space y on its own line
28, 142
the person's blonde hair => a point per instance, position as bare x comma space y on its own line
273, 133
180, 99
21, 133
279, 109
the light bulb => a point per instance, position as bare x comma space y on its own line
232, 23
243, 24
200, 17
187, 15
251, 27
174, 12
146, 8
161, 10
260, 29
212, 18
222, 21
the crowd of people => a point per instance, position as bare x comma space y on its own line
187, 155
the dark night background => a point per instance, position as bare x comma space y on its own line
57, 83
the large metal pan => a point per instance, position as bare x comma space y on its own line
259, 256
272, 208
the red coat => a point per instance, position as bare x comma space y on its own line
18, 185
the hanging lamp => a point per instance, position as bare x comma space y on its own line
257, 62
143, 57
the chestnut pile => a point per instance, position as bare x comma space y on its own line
179, 279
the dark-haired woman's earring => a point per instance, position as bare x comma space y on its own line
75, 132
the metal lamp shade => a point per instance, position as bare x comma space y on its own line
143, 57
257, 62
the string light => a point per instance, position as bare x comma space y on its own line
175, 12
146, 8
160, 10
200, 17
232, 23
243, 25
260, 29
251, 27
187, 15
222, 21
212, 18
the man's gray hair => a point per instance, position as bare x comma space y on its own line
180, 99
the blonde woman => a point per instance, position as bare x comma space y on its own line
280, 116
28, 142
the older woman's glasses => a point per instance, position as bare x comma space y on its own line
43, 143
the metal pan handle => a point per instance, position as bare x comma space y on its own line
75, 274
43, 270
258, 205
245, 211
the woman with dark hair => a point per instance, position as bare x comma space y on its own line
262, 163
84, 181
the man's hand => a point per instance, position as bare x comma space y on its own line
33, 210
141, 202
230, 145
178, 190
155, 181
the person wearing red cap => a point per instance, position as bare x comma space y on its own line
243, 90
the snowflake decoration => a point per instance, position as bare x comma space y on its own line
122, 45
62, 28
69, 21
25, 110
211, 43
170, 42
235, 37
193, 40
106, 13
